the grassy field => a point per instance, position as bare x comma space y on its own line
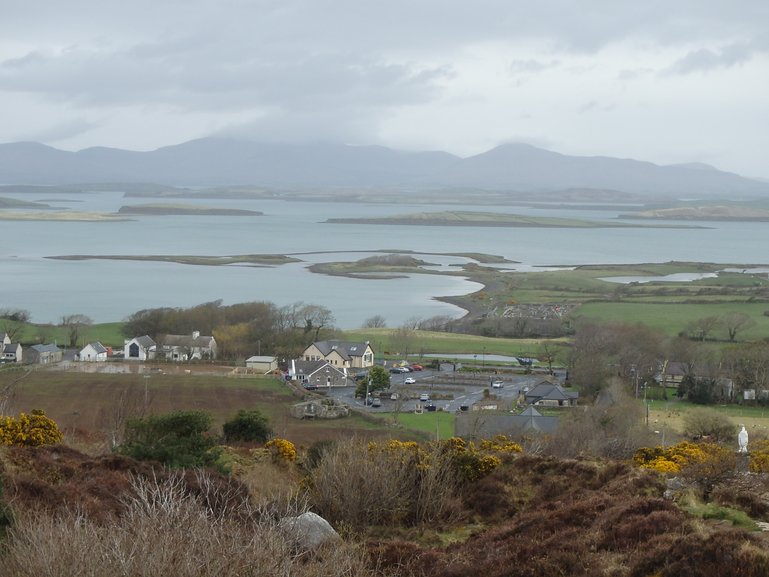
438, 424
107, 334
673, 318
668, 416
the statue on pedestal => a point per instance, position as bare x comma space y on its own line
742, 439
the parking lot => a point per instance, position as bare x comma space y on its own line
447, 391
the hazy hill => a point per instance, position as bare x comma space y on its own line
218, 161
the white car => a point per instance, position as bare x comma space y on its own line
409, 381
497, 384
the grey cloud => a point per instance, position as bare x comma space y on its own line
204, 81
705, 59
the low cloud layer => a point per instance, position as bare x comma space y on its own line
660, 81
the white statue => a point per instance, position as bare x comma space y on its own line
742, 439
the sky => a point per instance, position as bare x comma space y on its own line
667, 81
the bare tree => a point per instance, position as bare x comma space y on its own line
736, 322
75, 324
132, 401
435, 323
375, 322
13, 321
403, 340
700, 329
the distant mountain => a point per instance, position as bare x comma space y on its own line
219, 161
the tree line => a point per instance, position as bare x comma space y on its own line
243, 329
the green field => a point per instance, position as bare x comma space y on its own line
438, 424
673, 318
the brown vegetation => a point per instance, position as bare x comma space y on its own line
532, 515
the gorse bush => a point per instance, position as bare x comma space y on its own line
702, 463
682, 457
31, 430
282, 451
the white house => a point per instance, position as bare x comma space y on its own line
139, 349
93, 352
11, 352
187, 347
341, 354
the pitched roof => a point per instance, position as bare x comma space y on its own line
346, 349
312, 367
98, 347
144, 341
45, 348
199, 341
551, 392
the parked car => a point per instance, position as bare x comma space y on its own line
416, 367
497, 384
409, 381
424, 397
376, 402
398, 370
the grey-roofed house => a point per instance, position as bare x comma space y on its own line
11, 352
474, 425
93, 352
43, 354
551, 395
318, 374
187, 347
672, 373
139, 349
343, 354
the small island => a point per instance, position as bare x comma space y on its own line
161, 209
244, 259
15, 203
486, 219
711, 212
63, 216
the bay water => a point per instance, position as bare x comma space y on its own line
110, 290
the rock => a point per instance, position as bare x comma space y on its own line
675, 484
309, 530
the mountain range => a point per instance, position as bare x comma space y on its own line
210, 162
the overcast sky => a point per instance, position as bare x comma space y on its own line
660, 80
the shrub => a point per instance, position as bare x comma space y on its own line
168, 530
248, 426
29, 430
177, 439
759, 456
702, 422
397, 482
